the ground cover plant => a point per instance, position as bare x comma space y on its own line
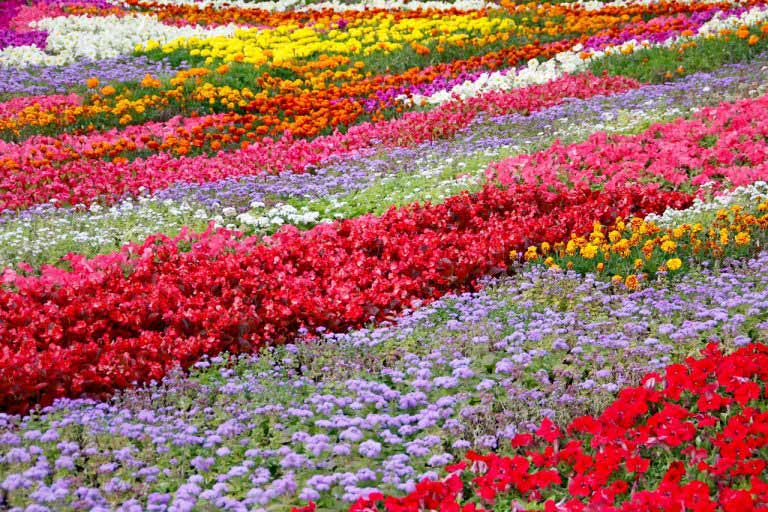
361, 255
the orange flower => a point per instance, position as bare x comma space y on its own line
753, 39
92, 82
108, 90
150, 81
631, 282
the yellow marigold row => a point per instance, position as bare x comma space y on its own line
633, 250
380, 33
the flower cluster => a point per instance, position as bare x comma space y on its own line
689, 438
637, 250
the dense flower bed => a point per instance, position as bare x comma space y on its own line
694, 435
175, 305
59, 168
365, 255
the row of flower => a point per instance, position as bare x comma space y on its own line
35, 169
523, 225
130, 177
143, 310
342, 417
348, 186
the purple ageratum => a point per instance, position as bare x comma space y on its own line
370, 449
38, 80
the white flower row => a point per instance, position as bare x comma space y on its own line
746, 195
35, 238
302, 5
72, 38
572, 62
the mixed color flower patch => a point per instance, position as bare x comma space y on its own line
383, 256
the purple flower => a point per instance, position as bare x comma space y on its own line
369, 448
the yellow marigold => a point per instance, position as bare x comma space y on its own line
617, 279
600, 266
545, 247
742, 238
669, 246
614, 236
678, 232
631, 282
674, 264
589, 251
725, 236
638, 264
571, 247
549, 261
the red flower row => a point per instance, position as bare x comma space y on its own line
129, 317
693, 439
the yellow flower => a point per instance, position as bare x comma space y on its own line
614, 236
617, 279
600, 266
742, 238
638, 264
669, 246
674, 264
724, 236
545, 247
589, 251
